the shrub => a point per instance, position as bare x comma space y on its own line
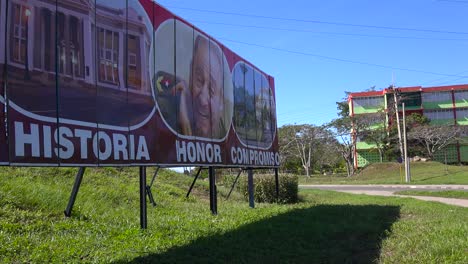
265, 189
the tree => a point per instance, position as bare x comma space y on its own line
343, 106
344, 128
326, 153
373, 130
341, 128
288, 158
435, 138
300, 142
415, 120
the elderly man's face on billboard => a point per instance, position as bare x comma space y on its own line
207, 88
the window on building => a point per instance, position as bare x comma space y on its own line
375, 119
134, 71
437, 96
375, 101
49, 39
76, 53
61, 43
69, 45
19, 32
439, 114
412, 99
462, 113
461, 95
108, 45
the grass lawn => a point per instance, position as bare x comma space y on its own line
325, 227
389, 173
446, 194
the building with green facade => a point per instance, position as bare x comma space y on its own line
443, 105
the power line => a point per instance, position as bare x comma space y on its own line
321, 22
303, 114
300, 110
451, 81
306, 117
442, 78
453, 1
342, 60
326, 32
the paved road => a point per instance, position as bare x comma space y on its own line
389, 190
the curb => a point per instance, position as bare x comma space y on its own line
439, 187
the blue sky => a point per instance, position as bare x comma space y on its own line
328, 56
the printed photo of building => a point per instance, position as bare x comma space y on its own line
254, 120
93, 56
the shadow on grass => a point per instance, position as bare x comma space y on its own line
320, 234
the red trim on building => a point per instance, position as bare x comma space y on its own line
367, 94
409, 89
446, 88
457, 87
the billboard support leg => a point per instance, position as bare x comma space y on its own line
277, 184
234, 184
148, 188
193, 183
213, 192
251, 188
74, 193
143, 218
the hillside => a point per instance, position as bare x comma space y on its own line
323, 227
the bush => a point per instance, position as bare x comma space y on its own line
265, 189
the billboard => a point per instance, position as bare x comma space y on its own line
126, 82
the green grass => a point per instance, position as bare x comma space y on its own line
389, 173
325, 227
446, 194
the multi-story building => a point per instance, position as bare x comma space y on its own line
443, 105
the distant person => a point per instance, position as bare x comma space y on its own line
201, 107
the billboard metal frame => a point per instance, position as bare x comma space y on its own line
145, 190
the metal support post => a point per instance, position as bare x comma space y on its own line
193, 183
234, 184
251, 188
407, 163
143, 216
148, 188
213, 193
74, 193
395, 99
277, 184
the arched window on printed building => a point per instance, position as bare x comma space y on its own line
69, 45
18, 33
108, 47
76, 48
134, 67
47, 38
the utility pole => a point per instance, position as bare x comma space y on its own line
398, 121
407, 164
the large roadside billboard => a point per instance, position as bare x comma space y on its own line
126, 82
